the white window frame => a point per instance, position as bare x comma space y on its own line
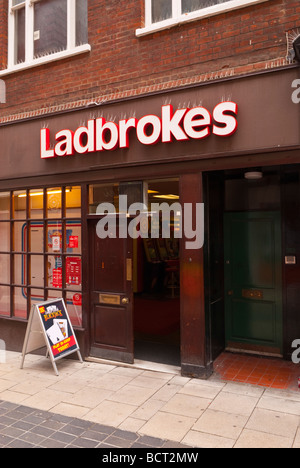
30, 61
178, 17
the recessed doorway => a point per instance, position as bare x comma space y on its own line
135, 282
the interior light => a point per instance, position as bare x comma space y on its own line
36, 194
253, 175
167, 197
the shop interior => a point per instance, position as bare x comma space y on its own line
157, 283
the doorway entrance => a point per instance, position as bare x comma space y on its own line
135, 286
244, 261
157, 284
253, 302
111, 296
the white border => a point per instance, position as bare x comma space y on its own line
47, 59
187, 17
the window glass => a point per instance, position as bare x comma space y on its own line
193, 5
53, 294
20, 36
108, 193
19, 236
4, 237
54, 237
73, 202
73, 237
19, 204
4, 205
19, 269
37, 295
54, 267
5, 268
37, 270
74, 306
36, 236
50, 27
4, 301
20, 302
31, 246
73, 273
81, 22
161, 10
54, 202
36, 203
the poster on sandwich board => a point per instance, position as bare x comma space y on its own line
49, 324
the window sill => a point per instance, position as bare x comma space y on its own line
46, 59
196, 15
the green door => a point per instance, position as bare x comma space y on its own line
253, 294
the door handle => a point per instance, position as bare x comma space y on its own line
125, 300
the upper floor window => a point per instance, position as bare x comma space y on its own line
161, 14
44, 30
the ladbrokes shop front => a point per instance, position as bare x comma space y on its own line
169, 223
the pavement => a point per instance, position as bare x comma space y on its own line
106, 405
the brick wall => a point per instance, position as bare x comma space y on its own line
121, 64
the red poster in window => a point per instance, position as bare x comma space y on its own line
73, 270
73, 242
77, 299
57, 278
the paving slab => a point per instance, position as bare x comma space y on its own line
98, 405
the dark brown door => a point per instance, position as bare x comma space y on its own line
111, 297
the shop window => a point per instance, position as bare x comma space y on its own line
19, 269
36, 270
74, 306
103, 197
4, 237
54, 271
5, 268
36, 203
36, 236
4, 301
43, 30
4, 205
160, 14
73, 202
20, 302
73, 272
19, 236
104, 193
72, 233
40, 249
19, 204
54, 202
